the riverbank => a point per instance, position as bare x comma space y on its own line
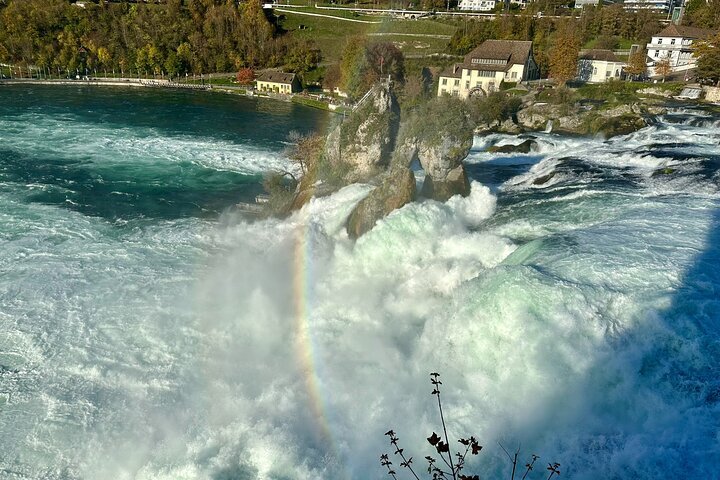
108, 82
308, 100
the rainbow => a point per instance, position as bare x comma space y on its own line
305, 351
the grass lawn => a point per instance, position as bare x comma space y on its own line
330, 33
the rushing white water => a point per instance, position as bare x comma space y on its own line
570, 304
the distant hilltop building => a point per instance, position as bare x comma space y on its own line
486, 67
598, 66
675, 43
582, 3
477, 5
659, 6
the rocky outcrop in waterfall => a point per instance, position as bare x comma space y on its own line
396, 189
362, 145
373, 146
440, 135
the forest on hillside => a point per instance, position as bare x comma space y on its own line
178, 37
175, 37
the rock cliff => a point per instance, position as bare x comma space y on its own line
396, 189
440, 135
362, 145
372, 145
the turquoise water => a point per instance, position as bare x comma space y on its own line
571, 303
120, 153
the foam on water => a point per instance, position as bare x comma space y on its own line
576, 316
112, 147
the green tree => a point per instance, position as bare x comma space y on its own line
703, 13
352, 65
708, 60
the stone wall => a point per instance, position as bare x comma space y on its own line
712, 94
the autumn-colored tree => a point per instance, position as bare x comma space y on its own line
663, 68
563, 56
708, 60
305, 151
245, 76
636, 65
385, 59
332, 77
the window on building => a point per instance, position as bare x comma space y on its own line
608, 73
514, 74
594, 70
457, 82
657, 53
659, 41
467, 85
455, 93
444, 81
672, 41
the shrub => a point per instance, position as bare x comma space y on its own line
496, 107
452, 465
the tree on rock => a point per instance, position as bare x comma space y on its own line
364, 64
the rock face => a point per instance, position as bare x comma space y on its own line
455, 182
525, 147
362, 145
396, 189
444, 172
610, 122
440, 139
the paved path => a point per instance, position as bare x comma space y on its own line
424, 35
321, 15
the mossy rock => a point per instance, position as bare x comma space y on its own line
396, 190
456, 183
663, 171
614, 126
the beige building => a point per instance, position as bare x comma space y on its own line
598, 66
272, 81
489, 65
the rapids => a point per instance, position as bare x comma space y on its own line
571, 303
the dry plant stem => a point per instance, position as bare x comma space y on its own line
442, 419
513, 459
530, 466
399, 451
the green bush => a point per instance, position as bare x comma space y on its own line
496, 107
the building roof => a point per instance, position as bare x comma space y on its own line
452, 71
275, 76
514, 52
673, 30
600, 55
